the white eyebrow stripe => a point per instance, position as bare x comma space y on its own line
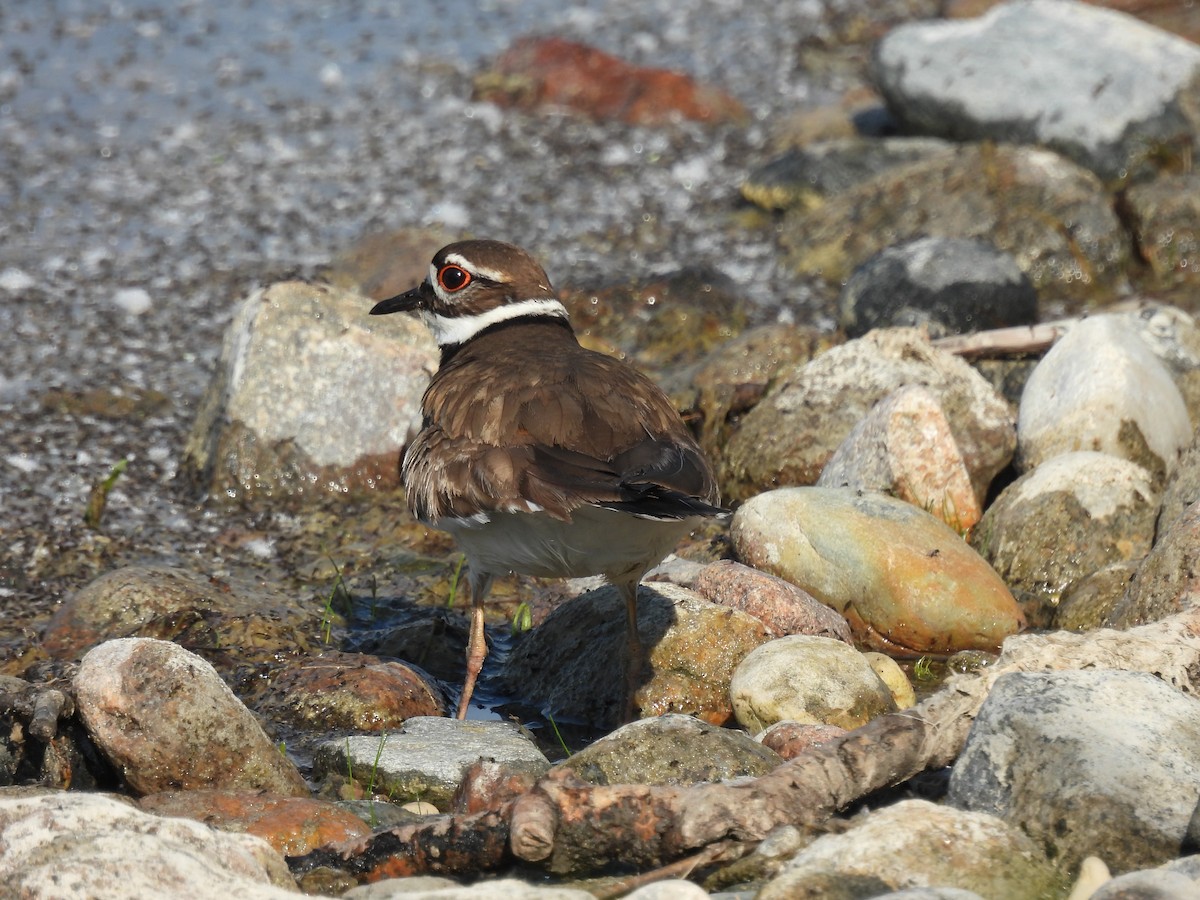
481, 271
450, 330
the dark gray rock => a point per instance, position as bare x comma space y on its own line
948, 285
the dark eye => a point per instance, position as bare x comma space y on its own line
453, 278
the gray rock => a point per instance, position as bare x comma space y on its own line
1165, 217
944, 284
1098, 762
1164, 582
914, 844
167, 721
1088, 604
574, 663
1057, 524
1150, 884
1095, 85
96, 846
791, 434
1101, 388
312, 396
1183, 487
807, 679
671, 749
427, 758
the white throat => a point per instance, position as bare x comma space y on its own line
451, 330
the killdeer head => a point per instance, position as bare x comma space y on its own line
474, 285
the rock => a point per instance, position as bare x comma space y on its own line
1070, 517
671, 749
1183, 486
671, 889
352, 691
323, 434
1101, 388
1095, 85
903, 579
804, 177
203, 614
1094, 762
790, 739
790, 436
1173, 336
734, 377
167, 722
1050, 214
1165, 580
806, 679
291, 825
539, 72
117, 851
781, 606
1089, 602
1165, 217
574, 663
427, 758
914, 844
943, 284
429, 888
904, 447
1154, 884
893, 676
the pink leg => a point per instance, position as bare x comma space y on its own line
476, 643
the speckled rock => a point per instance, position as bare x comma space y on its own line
1089, 602
904, 447
671, 749
781, 606
1052, 215
944, 284
1092, 83
427, 758
903, 579
790, 436
1183, 487
353, 691
1130, 738
574, 663
1101, 388
117, 851
1149, 884
286, 414
166, 721
914, 844
1057, 524
204, 614
815, 680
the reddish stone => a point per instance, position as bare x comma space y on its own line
549, 71
488, 785
790, 739
781, 606
292, 825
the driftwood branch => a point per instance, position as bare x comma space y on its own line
567, 826
1015, 341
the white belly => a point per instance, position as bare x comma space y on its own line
597, 542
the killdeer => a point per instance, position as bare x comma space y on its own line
538, 455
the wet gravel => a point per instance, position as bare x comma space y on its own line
158, 160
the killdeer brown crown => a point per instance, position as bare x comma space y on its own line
538, 455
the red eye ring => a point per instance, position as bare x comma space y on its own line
453, 278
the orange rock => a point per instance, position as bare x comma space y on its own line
549, 71
292, 825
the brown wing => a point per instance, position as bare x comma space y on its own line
537, 440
